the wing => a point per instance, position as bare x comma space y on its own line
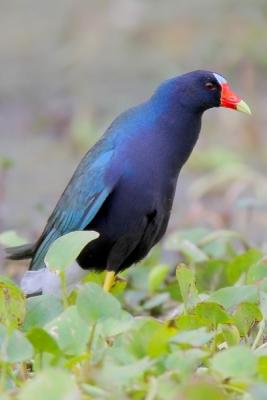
89, 187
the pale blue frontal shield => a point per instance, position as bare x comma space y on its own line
220, 79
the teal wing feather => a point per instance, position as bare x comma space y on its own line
81, 200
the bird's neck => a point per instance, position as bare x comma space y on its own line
178, 132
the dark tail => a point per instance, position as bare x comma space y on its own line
20, 252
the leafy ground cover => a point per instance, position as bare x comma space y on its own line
192, 331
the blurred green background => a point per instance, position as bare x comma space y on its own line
69, 67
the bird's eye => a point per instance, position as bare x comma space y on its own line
210, 86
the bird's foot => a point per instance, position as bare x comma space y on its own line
111, 279
120, 279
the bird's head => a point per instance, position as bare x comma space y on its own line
199, 91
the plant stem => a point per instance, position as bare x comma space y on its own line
228, 386
86, 365
38, 361
91, 338
4, 370
64, 290
259, 334
23, 371
152, 390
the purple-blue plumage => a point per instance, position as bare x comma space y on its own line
124, 186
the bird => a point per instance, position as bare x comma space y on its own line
124, 186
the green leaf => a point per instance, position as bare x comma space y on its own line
218, 249
174, 291
94, 304
263, 303
4, 397
189, 322
241, 264
157, 276
42, 341
115, 326
191, 252
186, 280
158, 343
236, 362
14, 346
212, 313
216, 244
114, 375
5, 163
52, 384
64, 251
213, 158
95, 392
232, 296
229, 334
203, 391
211, 275
138, 345
12, 303
165, 386
245, 316
196, 337
96, 277
262, 367
258, 390
11, 238
192, 235
70, 331
257, 272
221, 234
40, 310
156, 301
185, 361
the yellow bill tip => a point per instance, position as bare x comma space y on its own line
243, 107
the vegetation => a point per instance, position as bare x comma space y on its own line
188, 323
193, 331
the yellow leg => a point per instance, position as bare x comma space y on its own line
109, 281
